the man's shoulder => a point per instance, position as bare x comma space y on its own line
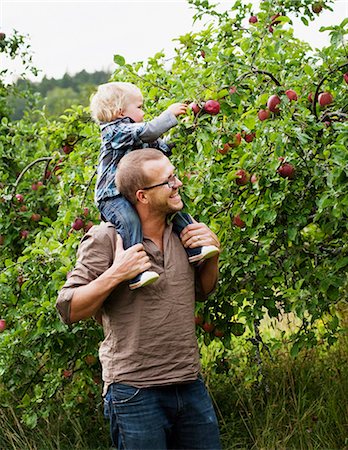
101, 230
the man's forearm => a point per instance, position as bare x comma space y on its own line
87, 300
209, 273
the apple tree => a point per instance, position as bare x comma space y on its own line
262, 154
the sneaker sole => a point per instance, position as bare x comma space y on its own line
143, 283
201, 257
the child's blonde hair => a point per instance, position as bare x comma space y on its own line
110, 99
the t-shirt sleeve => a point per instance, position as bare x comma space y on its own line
156, 127
94, 256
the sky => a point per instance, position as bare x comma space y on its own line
72, 35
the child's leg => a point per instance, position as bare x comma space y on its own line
180, 221
119, 211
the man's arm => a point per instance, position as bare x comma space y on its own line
197, 235
86, 290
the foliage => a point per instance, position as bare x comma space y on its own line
288, 256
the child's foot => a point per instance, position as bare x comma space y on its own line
143, 279
207, 251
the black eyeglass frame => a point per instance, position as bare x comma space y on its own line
170, 182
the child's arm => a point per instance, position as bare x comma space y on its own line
159, 125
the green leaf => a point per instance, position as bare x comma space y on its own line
118, 59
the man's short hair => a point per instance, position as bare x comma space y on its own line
130, 175
110, 99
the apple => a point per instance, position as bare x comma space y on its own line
242, 177
253, 19
325, 98
23, 208
199, 319
291, 94
310, 97
317, 7
253, 178
263, 114
345, 77
273, 103
85, 211
88, 225
232, 90
238, 222
20, 280
286, 170
2, 36
34, 186
24, 234
249, 137
20, 198
90, 360
218, 333
67, 373
2, 325
35, 217
224, 149
237, 138
67, 149
78, 224
48, 174
212, 107
194, 108
208, 327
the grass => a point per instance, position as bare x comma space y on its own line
302, 403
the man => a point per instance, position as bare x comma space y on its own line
154, 395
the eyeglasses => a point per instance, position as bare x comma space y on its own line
170, 182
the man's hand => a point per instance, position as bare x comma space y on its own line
198, 234
129, 263
177, 109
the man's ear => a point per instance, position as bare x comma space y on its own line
141, 196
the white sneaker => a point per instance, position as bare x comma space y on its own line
208, 251
143, 279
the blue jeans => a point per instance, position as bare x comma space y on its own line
121, 213
179, 416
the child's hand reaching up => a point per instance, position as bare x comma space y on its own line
177, 108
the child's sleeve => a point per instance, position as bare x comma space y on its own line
156, 127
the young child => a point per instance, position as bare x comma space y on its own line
117, 107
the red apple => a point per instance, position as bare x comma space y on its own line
67, 149
78, 224
286, 170
242, 177
218, 333
48, 174
291, 94
23, 208
39, 184
310, 97
249, 137
253, 178
90, 360
345, 77
88, 225
35, 217
252, 19
237, 138
273, 103
325, 98
232, 90
263, 114
2, 325
20, 280
24, 234
238, 222
224, 149
34, 186
208, 327
212, 107
194, 107
85, 212
199, 319
67, 373
20, 198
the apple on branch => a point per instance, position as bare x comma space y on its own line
286, 170
291, 94
273, 103
212, 107
242, 177
325, 98
263, 114
238, 222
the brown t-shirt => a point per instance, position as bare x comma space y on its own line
149, 332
